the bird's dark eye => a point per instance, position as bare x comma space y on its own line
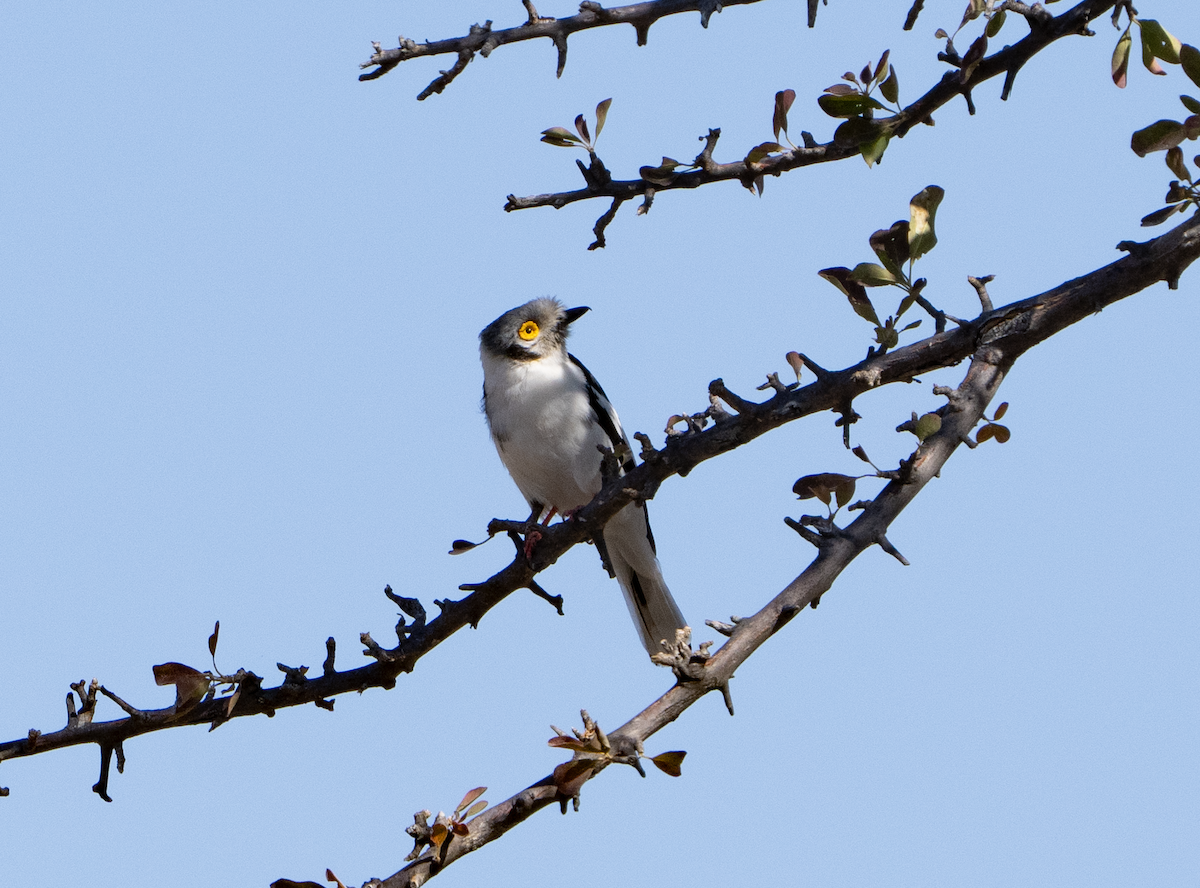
528, 330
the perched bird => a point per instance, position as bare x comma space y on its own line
548, 418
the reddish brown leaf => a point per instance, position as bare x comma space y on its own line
670, 762
190, 684
470, 797
212, 639
1001, 410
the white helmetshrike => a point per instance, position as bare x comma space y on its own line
548, 418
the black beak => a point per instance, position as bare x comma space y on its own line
574, 314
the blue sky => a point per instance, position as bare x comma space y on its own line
241, 294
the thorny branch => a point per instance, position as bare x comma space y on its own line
993, 342
994, 338
960, 81
482, 39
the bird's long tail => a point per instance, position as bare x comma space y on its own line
630, 548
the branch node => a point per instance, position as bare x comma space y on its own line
891, 550
555, 601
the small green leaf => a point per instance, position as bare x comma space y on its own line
783, 103
1191, 104
871, 275
848, 106
476, 808
1160, 43
758, 152
1158, 217
601, 115
842, 279
887, 336
845, 492
872, 150
1189, 57
927, 426
855, 131
470, 797
921, 211
1158, 136
560, 137
890, 88
882, 66
996, 23
662, 174
1120, 59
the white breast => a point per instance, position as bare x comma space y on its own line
542, 425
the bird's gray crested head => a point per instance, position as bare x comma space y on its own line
531, 331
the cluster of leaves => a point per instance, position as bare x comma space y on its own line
993, 429
1165, 135
562, 137
593, 752
897, 248
192, 686
852, 101
995, 13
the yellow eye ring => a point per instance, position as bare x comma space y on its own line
528, 330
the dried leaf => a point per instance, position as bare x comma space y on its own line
288, 883
581, 127
1176, 163
212, 639
985, 433
795, 362
438, 835
330, 877
783, 104
1002, 433
564, 742
1001, 410
190, 684
670, 762
845, 491
921, 211
602, 115
459, 546
861, 454
821, 485
842, 89
460, 829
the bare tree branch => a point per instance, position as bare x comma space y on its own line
482, 39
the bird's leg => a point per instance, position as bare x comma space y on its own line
532, 536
